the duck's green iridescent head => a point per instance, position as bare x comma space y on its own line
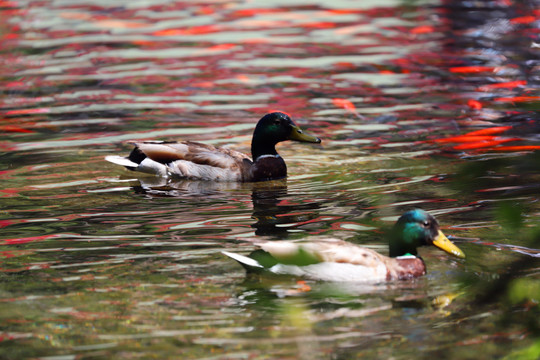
273, 128
417, 228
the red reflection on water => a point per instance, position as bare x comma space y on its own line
484, 144
474, 104
14, 129
466, 139
347, 105
4, 223
7, 254
14, 84
471, 69
517, 99
489, 131
10, 192
8, 4
17, 241
320, 25
281, 111
503, 85
253, 12
422, 29
202, 29
484, 139
523, 20
27, 111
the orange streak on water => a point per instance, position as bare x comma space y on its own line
523, 20
6, 4
320, 25
489, 131
471, 69
119, 24
27, 111
344, 103
483, 144
14, 129
28, 239
220, 47
477, 135
422, 29
194, 30
504, 85
518, 99
252, 12
474, 104
466, 138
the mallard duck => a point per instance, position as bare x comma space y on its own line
193, 160
337, 260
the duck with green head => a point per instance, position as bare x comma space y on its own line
193, 160
337, 260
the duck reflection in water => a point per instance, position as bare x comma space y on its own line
173, 187
275, 211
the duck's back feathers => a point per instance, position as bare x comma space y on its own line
188, 159
325, 250
198, 153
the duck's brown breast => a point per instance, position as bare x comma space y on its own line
268, 167
408, 268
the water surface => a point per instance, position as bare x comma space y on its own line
419, 104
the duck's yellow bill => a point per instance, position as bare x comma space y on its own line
298, 135
442, 242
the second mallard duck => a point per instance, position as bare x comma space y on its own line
336, 260
198, 161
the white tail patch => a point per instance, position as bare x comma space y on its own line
244, 260
120, 160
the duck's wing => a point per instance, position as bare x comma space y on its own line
186, 159
327, 250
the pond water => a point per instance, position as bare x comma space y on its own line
429, 104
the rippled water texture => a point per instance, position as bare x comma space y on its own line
419, 104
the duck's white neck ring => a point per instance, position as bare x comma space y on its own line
268, 156
406, 256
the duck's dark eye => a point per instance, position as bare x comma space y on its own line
277, 122
426, 223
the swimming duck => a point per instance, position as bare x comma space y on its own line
193, 160
337, 260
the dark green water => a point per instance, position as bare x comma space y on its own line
97, 263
